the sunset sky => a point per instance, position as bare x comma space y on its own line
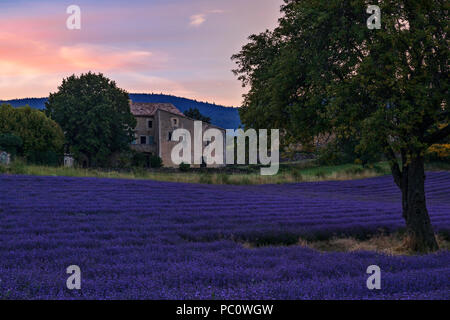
179, 47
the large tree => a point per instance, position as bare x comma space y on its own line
323, 70
95, 116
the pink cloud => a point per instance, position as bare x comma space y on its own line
106, 58
197, 20
145, 46
31, 56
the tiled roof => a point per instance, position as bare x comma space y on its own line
149, 109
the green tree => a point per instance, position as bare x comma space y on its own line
195, 114
41, 137
95, 116
322, 70
10, 143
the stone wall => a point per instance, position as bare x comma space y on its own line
167, 126
142, 130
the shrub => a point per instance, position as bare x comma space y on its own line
184, 167
139, 172
205, 178
224, 178
156, 162
39, 134
49, 158
320, 174
438, 152
380, 170
139, 160
10, 143
125, 160
354, 171
18, 167
329, 156
297, 175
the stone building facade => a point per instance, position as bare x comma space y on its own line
155, 125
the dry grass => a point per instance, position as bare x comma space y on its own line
393, 244
290, 175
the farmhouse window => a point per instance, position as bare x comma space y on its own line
143, 140
151, 140
174, 122
150, 124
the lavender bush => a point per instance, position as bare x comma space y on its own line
156, 240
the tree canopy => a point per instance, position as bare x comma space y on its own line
40, 137
323, 71
10, 143
195, 114
95, 116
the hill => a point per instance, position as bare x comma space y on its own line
225, 117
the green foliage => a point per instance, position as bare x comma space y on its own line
139, 160
196, 115
10, 143
342, 151
142, 160
41, 138
155, 161
18, 166
49, 158
205, 178
224, 178
322, 70
332, 155
139, 172
125, 160
95, 116
438, 152
184, 167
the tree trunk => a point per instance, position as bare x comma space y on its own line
420, 235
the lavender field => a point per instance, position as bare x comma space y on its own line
156, 240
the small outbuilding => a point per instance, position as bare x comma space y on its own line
5, 158
69, 160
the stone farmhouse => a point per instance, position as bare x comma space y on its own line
155, 125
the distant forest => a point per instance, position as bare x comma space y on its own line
225, 117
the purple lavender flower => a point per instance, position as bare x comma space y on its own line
160, 240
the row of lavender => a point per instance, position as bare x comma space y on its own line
155, 240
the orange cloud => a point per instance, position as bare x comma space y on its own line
197, 20
25, 56
105, 58
145, 46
